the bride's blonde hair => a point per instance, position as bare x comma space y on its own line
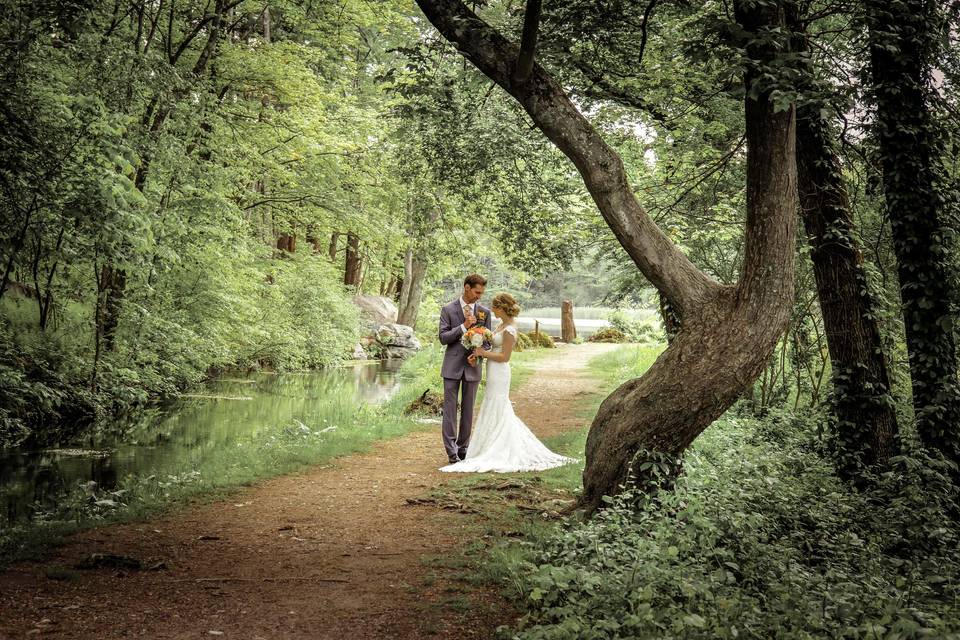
507, 303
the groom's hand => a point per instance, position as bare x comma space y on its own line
469, 321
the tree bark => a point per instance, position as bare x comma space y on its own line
112, 284
671, 323
568, 330
332, 249
352, 263
411, 291
727, 333
903, 45
287, 242
866, 423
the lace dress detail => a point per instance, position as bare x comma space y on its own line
501, 442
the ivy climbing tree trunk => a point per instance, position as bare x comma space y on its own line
904, 36
866, 422
727, 333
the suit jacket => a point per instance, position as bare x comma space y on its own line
455, 365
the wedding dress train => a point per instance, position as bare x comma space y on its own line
501, 442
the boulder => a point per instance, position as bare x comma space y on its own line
397, 340
359, 353
375, 310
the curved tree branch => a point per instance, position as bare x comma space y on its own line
660, 260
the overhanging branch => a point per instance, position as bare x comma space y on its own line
601, 168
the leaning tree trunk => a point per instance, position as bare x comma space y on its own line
903, 45
115, 276
866, 429
726, 333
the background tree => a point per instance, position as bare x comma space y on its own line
920, 203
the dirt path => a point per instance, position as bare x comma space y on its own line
332, 552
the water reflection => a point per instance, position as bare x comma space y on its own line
184, 433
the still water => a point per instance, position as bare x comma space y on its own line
191, 428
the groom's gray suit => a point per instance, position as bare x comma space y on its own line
459, 378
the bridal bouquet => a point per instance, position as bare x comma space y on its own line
476, 337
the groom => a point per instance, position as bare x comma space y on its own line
459, 377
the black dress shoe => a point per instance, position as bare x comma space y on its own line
453, 459
462, 454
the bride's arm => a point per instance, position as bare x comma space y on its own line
503, 356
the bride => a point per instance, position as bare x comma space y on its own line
501, 441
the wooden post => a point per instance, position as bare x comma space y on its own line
536, 327
568, 330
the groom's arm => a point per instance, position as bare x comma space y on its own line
449, 332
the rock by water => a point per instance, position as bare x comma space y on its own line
397, 340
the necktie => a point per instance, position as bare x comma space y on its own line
466, 310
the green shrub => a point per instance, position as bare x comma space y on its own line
523, 342
541, 340
760, 539
635, 329
608, 334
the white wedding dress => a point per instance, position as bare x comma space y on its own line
501, 442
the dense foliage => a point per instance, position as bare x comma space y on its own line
760, 539
193, 186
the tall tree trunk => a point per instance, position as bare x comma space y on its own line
866, 429
404, 299
112, 283
352, 263
903, 45
411, 291
727, 332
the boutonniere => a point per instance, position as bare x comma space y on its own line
481, 316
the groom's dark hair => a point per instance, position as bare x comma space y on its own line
474, 280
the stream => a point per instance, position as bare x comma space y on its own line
184, 431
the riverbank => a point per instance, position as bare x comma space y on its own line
322, 426
346, 549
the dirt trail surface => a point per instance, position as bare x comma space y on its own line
332, 552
